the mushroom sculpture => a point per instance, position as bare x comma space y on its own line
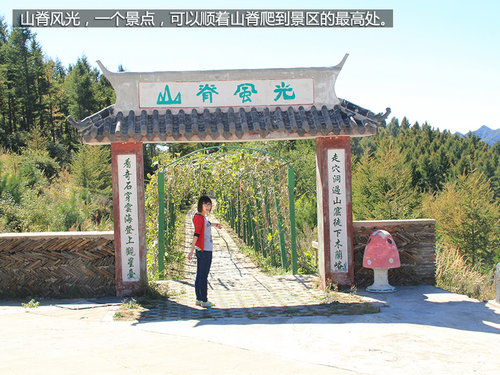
381, 254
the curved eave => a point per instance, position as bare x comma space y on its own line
244, 124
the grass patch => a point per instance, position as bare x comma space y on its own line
31, 304
129, 310
155, 291
453, 273
332, 295
347, 302
132, 309
131, 304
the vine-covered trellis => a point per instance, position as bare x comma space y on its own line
254, 190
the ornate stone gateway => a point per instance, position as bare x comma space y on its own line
230, 106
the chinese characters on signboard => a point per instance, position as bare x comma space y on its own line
204, 94
338, 210
129, 219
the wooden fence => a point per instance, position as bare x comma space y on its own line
57, 264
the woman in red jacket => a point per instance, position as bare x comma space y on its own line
202, 242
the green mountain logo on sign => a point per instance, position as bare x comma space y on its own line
162, 98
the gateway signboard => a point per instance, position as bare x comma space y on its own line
211, 94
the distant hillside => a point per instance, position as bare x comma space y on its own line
486, 134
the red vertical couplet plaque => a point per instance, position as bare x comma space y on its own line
335, 228
129, 220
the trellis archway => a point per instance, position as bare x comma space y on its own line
247, 226
230, 106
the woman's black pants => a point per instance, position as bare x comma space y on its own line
203, 263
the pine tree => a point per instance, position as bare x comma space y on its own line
86, 90
20, 65
468, 218
53, 100
80, 89
382, 187
91, 169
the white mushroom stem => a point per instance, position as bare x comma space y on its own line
380, 281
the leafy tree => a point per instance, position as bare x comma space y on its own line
381, 187
87, 91
53, 101
405, 124
40, 84
80, 89
468, 218
23, 84
3, 85
25, 75
91, 169
91, 178
4, 31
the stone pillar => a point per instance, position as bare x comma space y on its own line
335, 227
129, 218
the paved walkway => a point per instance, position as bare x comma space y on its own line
238, 288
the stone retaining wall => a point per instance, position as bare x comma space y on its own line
416, 244
415, 240
82, 264
57, 264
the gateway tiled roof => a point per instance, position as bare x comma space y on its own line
228, 125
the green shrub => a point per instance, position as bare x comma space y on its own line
36, 212
60, 153
36, 165
10, 185
70, 215
306, 212
10, 218
306, 255
32, 304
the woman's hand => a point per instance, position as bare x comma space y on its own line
218, 226
190, 255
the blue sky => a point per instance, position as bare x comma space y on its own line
440, 62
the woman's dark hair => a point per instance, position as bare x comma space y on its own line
203, 199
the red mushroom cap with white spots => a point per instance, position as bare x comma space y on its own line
381, 251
